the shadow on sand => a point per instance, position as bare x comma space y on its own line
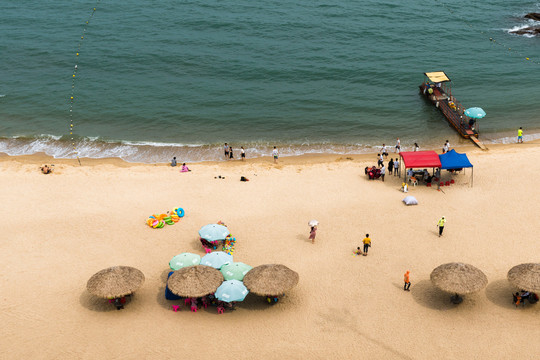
429, 296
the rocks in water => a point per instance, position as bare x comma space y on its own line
533, 16
530, 30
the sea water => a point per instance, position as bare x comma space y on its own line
157, 79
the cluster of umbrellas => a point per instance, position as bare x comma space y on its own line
461, 279
232, 282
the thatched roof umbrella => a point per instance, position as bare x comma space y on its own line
115, 282
458, 278
525, 276
195, 281
270, 279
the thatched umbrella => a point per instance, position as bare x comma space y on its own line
270, 279
195, 281
115, 282
525, 276
458, 278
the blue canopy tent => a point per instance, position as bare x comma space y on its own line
453, 160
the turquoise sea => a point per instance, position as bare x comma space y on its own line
157, 79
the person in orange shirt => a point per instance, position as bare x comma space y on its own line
407, 280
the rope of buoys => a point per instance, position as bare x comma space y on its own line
74, 77
158, 221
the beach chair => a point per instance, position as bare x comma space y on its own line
176, 308
414, 181
220, 309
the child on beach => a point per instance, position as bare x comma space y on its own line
275, 154
173, 161
231, 156
184, 168
520, 135
46, 169
242, 153
358, 251
384, 151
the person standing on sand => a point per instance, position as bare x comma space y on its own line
367, 244
520, 135
231, 156
440, 224
226, 150
379, 159
242, 153
275, 154
384, 151
407, 281
396, 167
312, 234
398, 145
390, 166
383, 171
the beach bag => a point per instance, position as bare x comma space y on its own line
243, 178
410, 200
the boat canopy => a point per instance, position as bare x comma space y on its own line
437, 76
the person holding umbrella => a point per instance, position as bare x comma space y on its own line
313, 232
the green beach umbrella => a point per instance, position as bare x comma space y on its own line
231, 290
216, 259
183, 260
235, 271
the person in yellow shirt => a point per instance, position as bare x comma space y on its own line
367, 244
440, 224
520, 135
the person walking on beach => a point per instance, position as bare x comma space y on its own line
226, 150
379, 159
440, 224
367, 244
383, 171
396, 167
390, 166
275, 155
312, 234
231, 156
384, 151
398, 145
520, 135
407, 280
242, 153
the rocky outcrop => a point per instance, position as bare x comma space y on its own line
531, 30
533, 16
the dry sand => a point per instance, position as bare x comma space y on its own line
60, 229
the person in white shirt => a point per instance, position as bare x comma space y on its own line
383, 172
384, 151
398, 145
275, 154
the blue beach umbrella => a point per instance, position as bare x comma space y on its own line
475, 113
216, 259
231, 290
214, 232
235, 271
183, 260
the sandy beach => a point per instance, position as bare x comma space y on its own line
60, 229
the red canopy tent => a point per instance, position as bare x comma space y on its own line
419, 159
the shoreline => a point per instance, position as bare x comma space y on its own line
317, 158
